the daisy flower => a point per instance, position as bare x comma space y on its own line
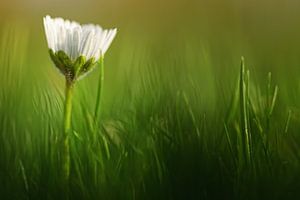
75, 48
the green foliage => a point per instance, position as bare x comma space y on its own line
169, 128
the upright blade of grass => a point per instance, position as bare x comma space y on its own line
100, 89
229, 143
234, 103
24, 175
271, 100
287, 123
244, 84
190, 110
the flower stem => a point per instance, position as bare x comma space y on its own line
100, 89
65, 156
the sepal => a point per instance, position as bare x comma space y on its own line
73, 70
87, 67
57, 62
79, 64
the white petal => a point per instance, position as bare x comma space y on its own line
49, 32
96, 43
111, 35
75, 39
98, 54
48, 36
103, 37
69, 40
87, 45
85, 35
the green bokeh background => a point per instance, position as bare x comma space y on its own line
170, 123
264, 32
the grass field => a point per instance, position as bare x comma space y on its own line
180, 119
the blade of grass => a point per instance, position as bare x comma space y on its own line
244, 78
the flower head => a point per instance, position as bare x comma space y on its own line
75, 48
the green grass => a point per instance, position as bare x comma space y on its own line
171, 126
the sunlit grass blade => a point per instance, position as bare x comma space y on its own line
244, 93
100, 89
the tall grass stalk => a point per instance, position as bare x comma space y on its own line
100, 89
244, 93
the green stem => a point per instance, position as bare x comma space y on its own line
65, 156
100, 89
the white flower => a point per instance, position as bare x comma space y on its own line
77, 40
75, 49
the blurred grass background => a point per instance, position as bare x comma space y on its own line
170, 123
